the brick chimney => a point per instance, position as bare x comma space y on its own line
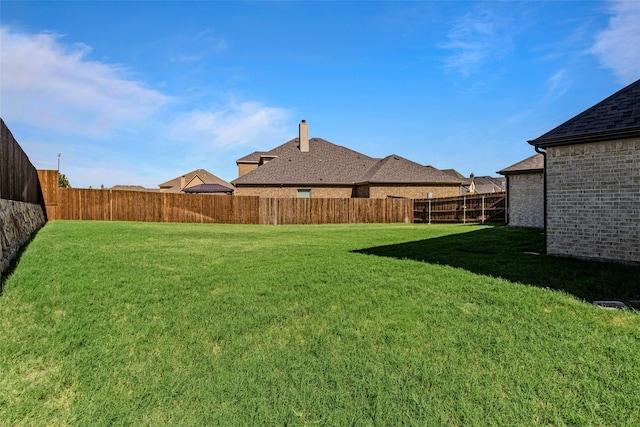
303, 130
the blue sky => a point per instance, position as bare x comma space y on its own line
141, 92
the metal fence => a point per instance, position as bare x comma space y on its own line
474, 208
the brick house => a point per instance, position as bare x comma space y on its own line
198, 181
314, 167
525, 192
483, 185
592, 181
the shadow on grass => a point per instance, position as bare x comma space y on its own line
4, 276
503, 252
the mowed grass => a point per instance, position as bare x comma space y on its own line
190, 324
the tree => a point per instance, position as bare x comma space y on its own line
63, 182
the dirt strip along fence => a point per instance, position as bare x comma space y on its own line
475, 208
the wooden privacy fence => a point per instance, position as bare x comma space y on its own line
18, 177
115, 205
475, 208
334, 211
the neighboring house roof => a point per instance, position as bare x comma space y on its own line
132, 188
454, 173
484, 184
616, 117
533, 164
329, 164
251, 158
209, 189
196, 177
396, 169
324, 163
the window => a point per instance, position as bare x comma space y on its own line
304, 194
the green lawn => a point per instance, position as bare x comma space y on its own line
403, 324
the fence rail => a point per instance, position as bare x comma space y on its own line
476, 208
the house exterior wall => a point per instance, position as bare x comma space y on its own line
593, 200
245, 168
526, 200
288, 192
413, 191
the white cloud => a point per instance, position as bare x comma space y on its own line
617, 47
473, 40
557, 86
48, 84
112, 129
235, 124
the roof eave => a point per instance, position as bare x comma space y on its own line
520, 171
608, 135
412, 182
292, 184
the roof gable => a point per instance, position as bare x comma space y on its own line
616, 117
196, 177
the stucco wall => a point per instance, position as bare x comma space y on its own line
288, 192
593, 200
18, 221
526, 200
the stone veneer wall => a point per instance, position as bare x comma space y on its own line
593, 200
526, 200
18, 221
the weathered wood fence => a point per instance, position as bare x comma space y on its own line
116, 205
475, 208
18, 177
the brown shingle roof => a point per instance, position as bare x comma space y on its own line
531, 164
251, 158
324, 163
616, 117
132, 188
454, 174
396, 169
487, 184
206, 177
209, 189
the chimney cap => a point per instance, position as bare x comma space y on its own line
304, 121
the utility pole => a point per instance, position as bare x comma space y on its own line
58, 162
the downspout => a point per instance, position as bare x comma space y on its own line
544, 189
